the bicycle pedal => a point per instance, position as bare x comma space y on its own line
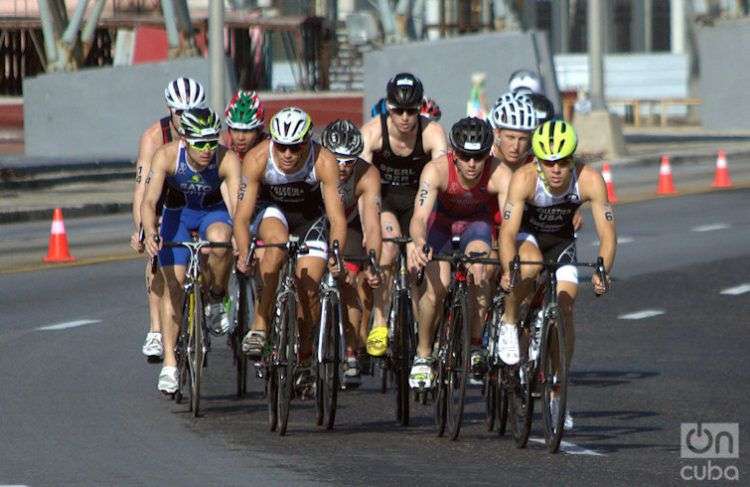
259, 370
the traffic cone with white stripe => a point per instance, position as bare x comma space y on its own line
722, 179
57, 250
607, 176
665, 185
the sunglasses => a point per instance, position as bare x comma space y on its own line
178, 112
344, 161
293, 148
562, 162
204, 145
465, 156
401, 111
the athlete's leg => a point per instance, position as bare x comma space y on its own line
566, 297
174, 278
390, 228
352, 310
479, 290
271, 231
219, 259
435, 287
364, 292
310, 270
527, 251
155, 291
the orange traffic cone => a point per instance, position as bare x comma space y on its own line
57, 250
722, 179
607, 175
666, 184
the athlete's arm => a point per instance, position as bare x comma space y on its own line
253, 166
154, 182
434, 140
512, 213
429, 185
594, 189
327, 169
371, 136
146, 148
230, 171
368, 194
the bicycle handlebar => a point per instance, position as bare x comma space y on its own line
200, 244
370, 260
598, 266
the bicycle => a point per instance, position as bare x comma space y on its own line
280, 360
543, 363
242, 291
495, 396
454, 340
192, 342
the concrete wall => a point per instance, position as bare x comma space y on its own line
724, 75
445, 67
101, 112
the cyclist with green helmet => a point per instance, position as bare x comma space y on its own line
244, 119
538, 224
193, 168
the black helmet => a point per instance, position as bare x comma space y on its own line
405, 91
343, 138
543, 107
472, 136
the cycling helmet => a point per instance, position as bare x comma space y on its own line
290, 125
405, 91
509, 96
200, 124
245, 111
544, 108
526, 81
472, 136
554, 140
430, 109
185, 94
514, 114
343, 138
380, 107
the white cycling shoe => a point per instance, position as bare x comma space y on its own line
508, 348
152, 347
422, 376
217, 319
169, 380
568, 421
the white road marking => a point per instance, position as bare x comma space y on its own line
639, 315
711, 227
68, 324
737, 290
571, 448
620, 240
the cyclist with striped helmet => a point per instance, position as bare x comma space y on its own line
538, 224
244, 119
180, 94
289, 186
193, 169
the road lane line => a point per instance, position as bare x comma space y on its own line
639, 315
68, 324
737, 290
711, 227
620, 240
571, 448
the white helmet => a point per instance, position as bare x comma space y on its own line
525, 81
510, 96
514, 114
185, 94
291, 125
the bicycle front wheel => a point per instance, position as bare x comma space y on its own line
331, 364
555, 393
287, 360
457, 365
196, 351
441, 381
404, 357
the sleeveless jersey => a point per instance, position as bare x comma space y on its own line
199, 189
459, 203
348, 190
550, 214
297, 194
400, 171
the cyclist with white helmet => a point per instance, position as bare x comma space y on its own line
525, 81
458, 195
359, 188
180, 94
400, 144
289, 186
193, 169
538, 224
244, 119
513, 119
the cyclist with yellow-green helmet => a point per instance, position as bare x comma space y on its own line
538, 224
244, 119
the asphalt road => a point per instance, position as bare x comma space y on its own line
80, 406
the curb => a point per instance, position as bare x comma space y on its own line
682, 157
95, 209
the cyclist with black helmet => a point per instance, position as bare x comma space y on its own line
359, 188
244, 119
538, 224
462, 186
289, 186
193, 169
399, 143
180, 94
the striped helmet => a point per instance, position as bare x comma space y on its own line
554, 140
515, 114
200, 124
184, 94
291, 125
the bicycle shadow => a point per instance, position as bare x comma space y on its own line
608, 378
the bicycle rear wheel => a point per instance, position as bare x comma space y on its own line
441, 382
519, 383
244, 297
457, 366
196, 351
181, 349
404, 356
287, 360
555, 368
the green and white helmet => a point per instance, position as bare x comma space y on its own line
245, 111
291, 125
200, 124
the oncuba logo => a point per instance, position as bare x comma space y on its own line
709, 441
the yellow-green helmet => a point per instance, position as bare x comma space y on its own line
554, 140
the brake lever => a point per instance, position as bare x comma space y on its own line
420, 272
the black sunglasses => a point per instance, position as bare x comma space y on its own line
293, 148
466, 156
178, 112
565, 162
401, 111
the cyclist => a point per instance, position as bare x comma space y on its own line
513, 119
462, 186
525, 81
538, 224
244, 119
399, 143
180, 95
430, 110
294, 181
193, 169
359, 188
